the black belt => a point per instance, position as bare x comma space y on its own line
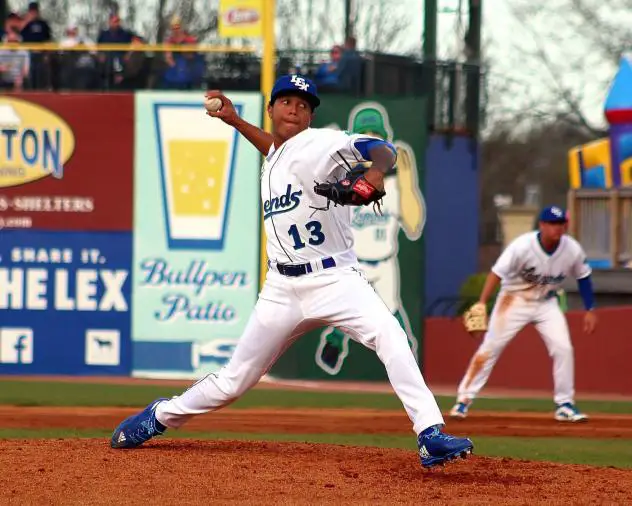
294, 270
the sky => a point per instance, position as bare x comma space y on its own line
523, 79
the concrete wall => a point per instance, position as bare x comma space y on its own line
602, 360
452, 199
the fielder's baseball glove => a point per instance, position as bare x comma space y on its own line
353, 190
475, 318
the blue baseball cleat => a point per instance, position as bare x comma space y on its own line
137, 429
436, 447
460, 409
568, 412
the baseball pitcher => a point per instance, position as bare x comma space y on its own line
376, 235
310, 185
531, 270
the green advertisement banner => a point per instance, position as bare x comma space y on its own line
196, 241
390, 246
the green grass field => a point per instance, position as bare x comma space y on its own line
31, 393
598, 452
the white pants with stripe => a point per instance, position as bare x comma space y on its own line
289, 307
511, 314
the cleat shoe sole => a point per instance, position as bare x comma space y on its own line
436, 461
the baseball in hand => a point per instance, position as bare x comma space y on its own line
213, 104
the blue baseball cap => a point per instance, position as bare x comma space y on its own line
553, 214
295, 84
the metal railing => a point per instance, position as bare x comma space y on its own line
456, 86
602, 221
112, 67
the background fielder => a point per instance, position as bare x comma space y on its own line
376, 235
531, 270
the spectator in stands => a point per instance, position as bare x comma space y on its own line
14, 64
13, 21
78, 68
350, 68
326, 76
185, 70
112, 61
36, 30
136, 67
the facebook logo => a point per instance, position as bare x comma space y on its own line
16, 345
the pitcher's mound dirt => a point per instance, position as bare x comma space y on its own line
87, 471
321, 421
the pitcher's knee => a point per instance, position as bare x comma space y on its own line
563, 351
392, 340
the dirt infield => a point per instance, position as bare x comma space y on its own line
72, 471
176, 471
324, 421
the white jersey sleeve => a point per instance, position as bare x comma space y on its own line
343, 150
507, 264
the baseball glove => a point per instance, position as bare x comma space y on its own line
353, 190
475, 318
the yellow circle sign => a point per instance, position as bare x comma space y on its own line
34, 142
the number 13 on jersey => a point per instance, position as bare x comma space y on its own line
316, 235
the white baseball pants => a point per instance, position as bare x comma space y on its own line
510, 314
287, 308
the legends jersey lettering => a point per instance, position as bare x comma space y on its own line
530, 276
363, 218
282, 204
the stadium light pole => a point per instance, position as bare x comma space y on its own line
430, 57
473, 52
348, 24
268, 60
268, 71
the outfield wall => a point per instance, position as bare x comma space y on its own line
602, 360
130, 233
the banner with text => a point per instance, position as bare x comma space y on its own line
66, 161
196, 233
65, 303
240, 18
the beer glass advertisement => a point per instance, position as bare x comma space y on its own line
196, 234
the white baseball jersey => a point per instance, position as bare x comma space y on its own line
298, 229
289, 306
525, 267
376, 235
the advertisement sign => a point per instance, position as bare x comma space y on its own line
66, 162
389, 245
240, 18
65, 303
196, 234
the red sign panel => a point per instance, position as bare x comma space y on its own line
66, 161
